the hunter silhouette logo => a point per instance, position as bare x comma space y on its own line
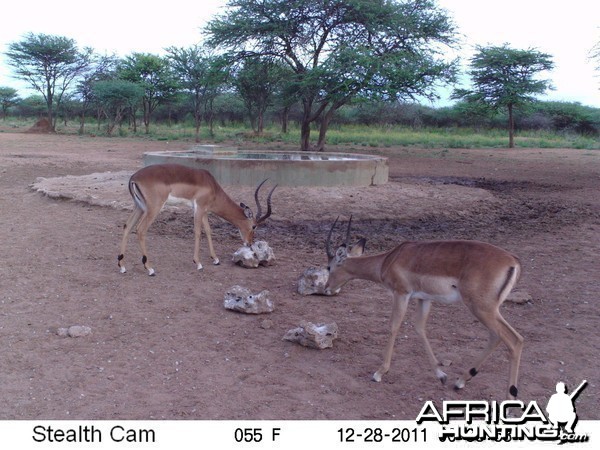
561, 407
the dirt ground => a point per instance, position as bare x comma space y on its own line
164, 347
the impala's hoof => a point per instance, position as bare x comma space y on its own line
216, 261
441, 376
376, 377
151, 272
122, 270
459, 385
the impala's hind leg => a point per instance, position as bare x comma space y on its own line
500, 331
142, 228
132, 221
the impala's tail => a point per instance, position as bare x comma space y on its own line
138, 197
513, 275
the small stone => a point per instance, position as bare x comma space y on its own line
74, 331
519, 297
318, 336
266, 324
79, 331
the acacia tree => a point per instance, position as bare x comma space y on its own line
200, 74
257, 82
8, 97
153, 74
504, 77
338, 49
49, 64
116, 98
103, 68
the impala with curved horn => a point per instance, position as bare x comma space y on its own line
153, 185
478, 274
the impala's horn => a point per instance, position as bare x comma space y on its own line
348, 232
259, 217
328, 241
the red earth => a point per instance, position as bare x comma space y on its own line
164, 347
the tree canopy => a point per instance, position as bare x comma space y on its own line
340, 49
49, 64
8, 97
153, 74
504, 77
201, 74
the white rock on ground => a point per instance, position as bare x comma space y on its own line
259, 254
241, 299
318, 336
313, 281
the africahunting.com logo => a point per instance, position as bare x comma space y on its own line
511, 420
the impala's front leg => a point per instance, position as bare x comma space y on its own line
398, 312
198, 220
423, 309
208, 232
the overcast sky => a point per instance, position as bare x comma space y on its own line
565, 30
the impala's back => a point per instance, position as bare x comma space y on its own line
449, 271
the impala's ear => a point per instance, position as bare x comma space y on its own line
358, 248
247, 211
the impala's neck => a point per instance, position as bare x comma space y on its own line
227, 209
365, 267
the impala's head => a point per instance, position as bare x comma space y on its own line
248, 228
336, 265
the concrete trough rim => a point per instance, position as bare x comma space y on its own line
295, 168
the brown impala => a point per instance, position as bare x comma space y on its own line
478, 274
152, 186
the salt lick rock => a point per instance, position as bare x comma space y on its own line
241, 299
313, 281
259, 254
318, 336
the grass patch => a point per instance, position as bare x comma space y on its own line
361, 137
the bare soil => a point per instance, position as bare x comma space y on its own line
164, 347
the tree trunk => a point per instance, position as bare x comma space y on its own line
261, 123
511, 127
197, 127
81, 123
284, 119
323, 129
305, 135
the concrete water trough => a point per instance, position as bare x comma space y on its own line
232, 166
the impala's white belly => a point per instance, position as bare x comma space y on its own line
178, 201
447, 298
437, 289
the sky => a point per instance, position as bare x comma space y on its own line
565, 30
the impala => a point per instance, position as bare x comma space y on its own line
478, 274
153, 185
